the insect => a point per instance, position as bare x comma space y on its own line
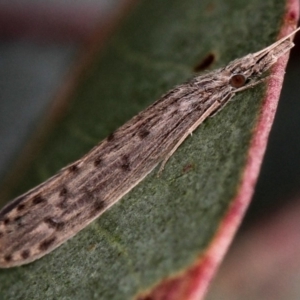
40, 220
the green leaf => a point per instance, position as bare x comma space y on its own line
168, 223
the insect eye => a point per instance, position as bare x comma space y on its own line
237, 80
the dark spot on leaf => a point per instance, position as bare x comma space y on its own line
205, 63
20, 207
187, 168
25, 254
38, 199
210, 7
292, 16
44, 246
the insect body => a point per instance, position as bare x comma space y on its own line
42, 219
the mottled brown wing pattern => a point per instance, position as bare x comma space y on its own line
45, 217
42, 219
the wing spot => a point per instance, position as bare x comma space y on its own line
25, 254
1, 234
53, 223
63, 192
78, 215
97, 161
20, 207
144, 133
8, 257
46, 244
99, 205
126, 167
111, 137
126, 164
38, 199
6, 221
73, 169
